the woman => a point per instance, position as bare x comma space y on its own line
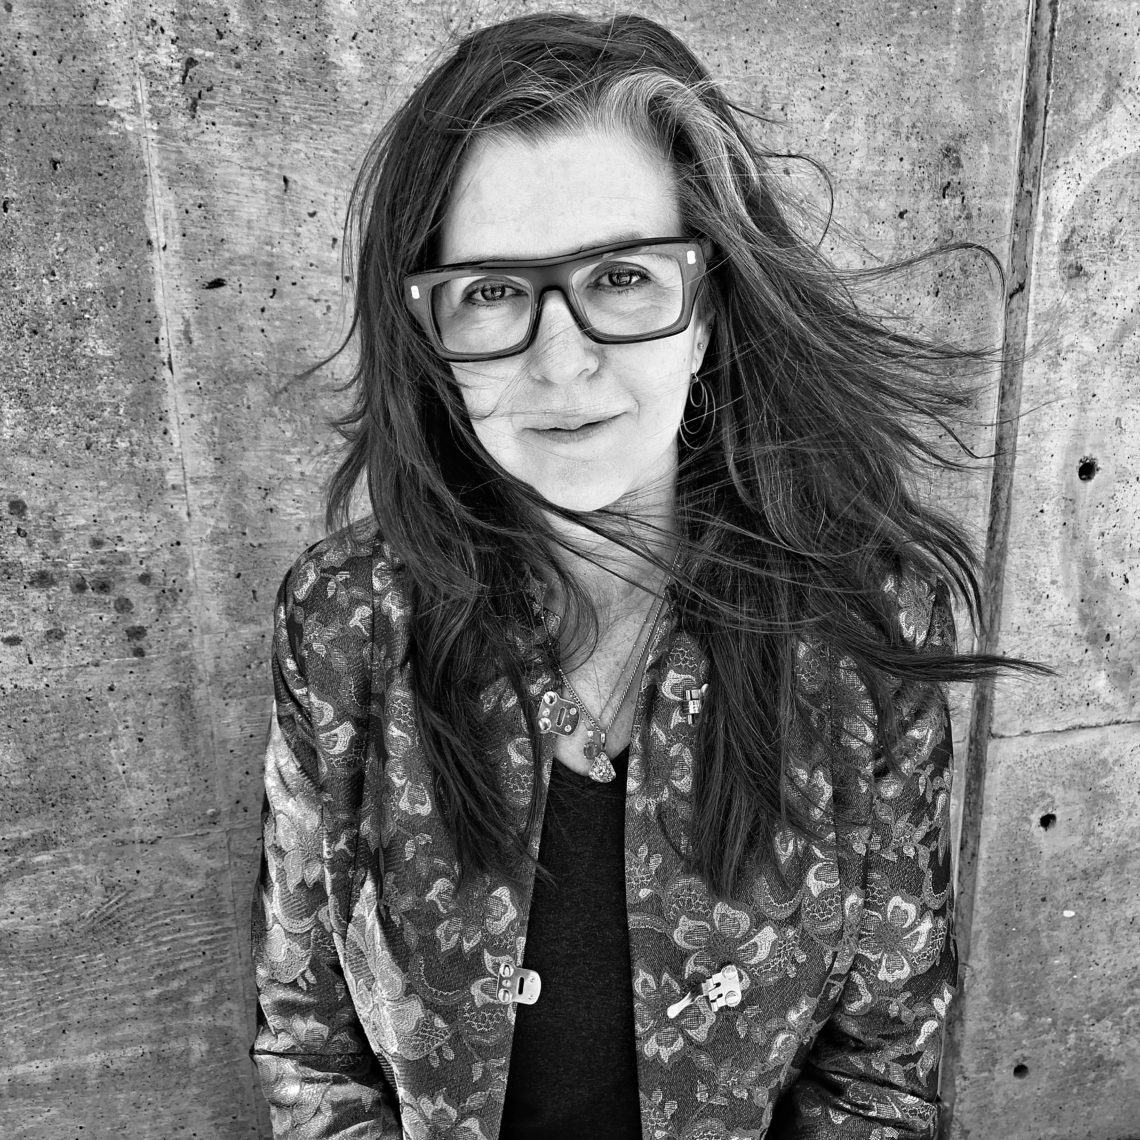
644, 597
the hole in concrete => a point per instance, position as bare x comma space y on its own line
1020, 1071
1087, 468
1047, 820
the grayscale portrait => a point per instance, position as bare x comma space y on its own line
570, 572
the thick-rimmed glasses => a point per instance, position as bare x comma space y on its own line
619, 293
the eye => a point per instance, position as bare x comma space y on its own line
489, 292
620, 277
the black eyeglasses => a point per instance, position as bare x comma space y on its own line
619, 293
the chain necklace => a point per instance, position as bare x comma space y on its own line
561, 716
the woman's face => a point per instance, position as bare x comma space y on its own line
517, 199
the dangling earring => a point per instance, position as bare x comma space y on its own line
702, 403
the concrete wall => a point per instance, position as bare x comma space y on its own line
1045, 1040
173, 178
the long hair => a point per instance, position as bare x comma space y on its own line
793, 508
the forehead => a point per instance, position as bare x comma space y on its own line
521, 198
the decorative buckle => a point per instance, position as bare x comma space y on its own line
722, 989
517, 983
556, 714
692, 699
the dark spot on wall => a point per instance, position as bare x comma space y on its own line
101, 586
1047, 820
1021, 1071
17, 508
145, 578
79, 584
12, 639
216, 283
54, 635
96, 543
138, 651
136, 632
188, 65
123, 605
1087, 468
41, 579
1074, 269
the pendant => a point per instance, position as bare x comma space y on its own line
594, 749
595, 743
602, 770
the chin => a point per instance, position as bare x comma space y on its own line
580, 498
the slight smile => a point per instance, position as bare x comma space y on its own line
573, 435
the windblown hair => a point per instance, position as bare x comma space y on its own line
793, 508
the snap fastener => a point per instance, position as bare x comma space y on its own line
517, 983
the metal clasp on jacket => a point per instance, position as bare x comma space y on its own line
722, 989
517, 983
556, 714
693, 698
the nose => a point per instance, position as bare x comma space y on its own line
561, 350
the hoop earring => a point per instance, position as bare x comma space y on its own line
701, 400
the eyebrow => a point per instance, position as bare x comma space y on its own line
612, 239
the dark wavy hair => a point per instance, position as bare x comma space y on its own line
794, 506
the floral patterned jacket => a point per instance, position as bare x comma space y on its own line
379, 1011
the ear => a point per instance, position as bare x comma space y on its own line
703, 325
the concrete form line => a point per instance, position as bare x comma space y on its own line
1122, 722
1038, 72
163, 306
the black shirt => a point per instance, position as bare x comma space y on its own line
573, 1070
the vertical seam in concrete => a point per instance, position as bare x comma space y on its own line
159, 269
199, 649
1026, 208
201, 656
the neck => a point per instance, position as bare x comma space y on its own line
613, 577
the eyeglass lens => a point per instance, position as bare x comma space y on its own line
628, 293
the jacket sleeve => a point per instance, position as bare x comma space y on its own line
872, 1072
313, 1061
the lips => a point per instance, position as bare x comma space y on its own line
573, 423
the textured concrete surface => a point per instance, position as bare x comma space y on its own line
1072, 587
1050, 1048
1046, 1044
173, 178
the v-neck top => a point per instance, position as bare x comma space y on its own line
573, 1069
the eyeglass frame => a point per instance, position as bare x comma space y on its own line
547, 274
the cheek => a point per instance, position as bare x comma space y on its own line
482, 391
664, 387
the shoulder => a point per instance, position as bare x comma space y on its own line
921, 611
339, 562
333, 594
916, 614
